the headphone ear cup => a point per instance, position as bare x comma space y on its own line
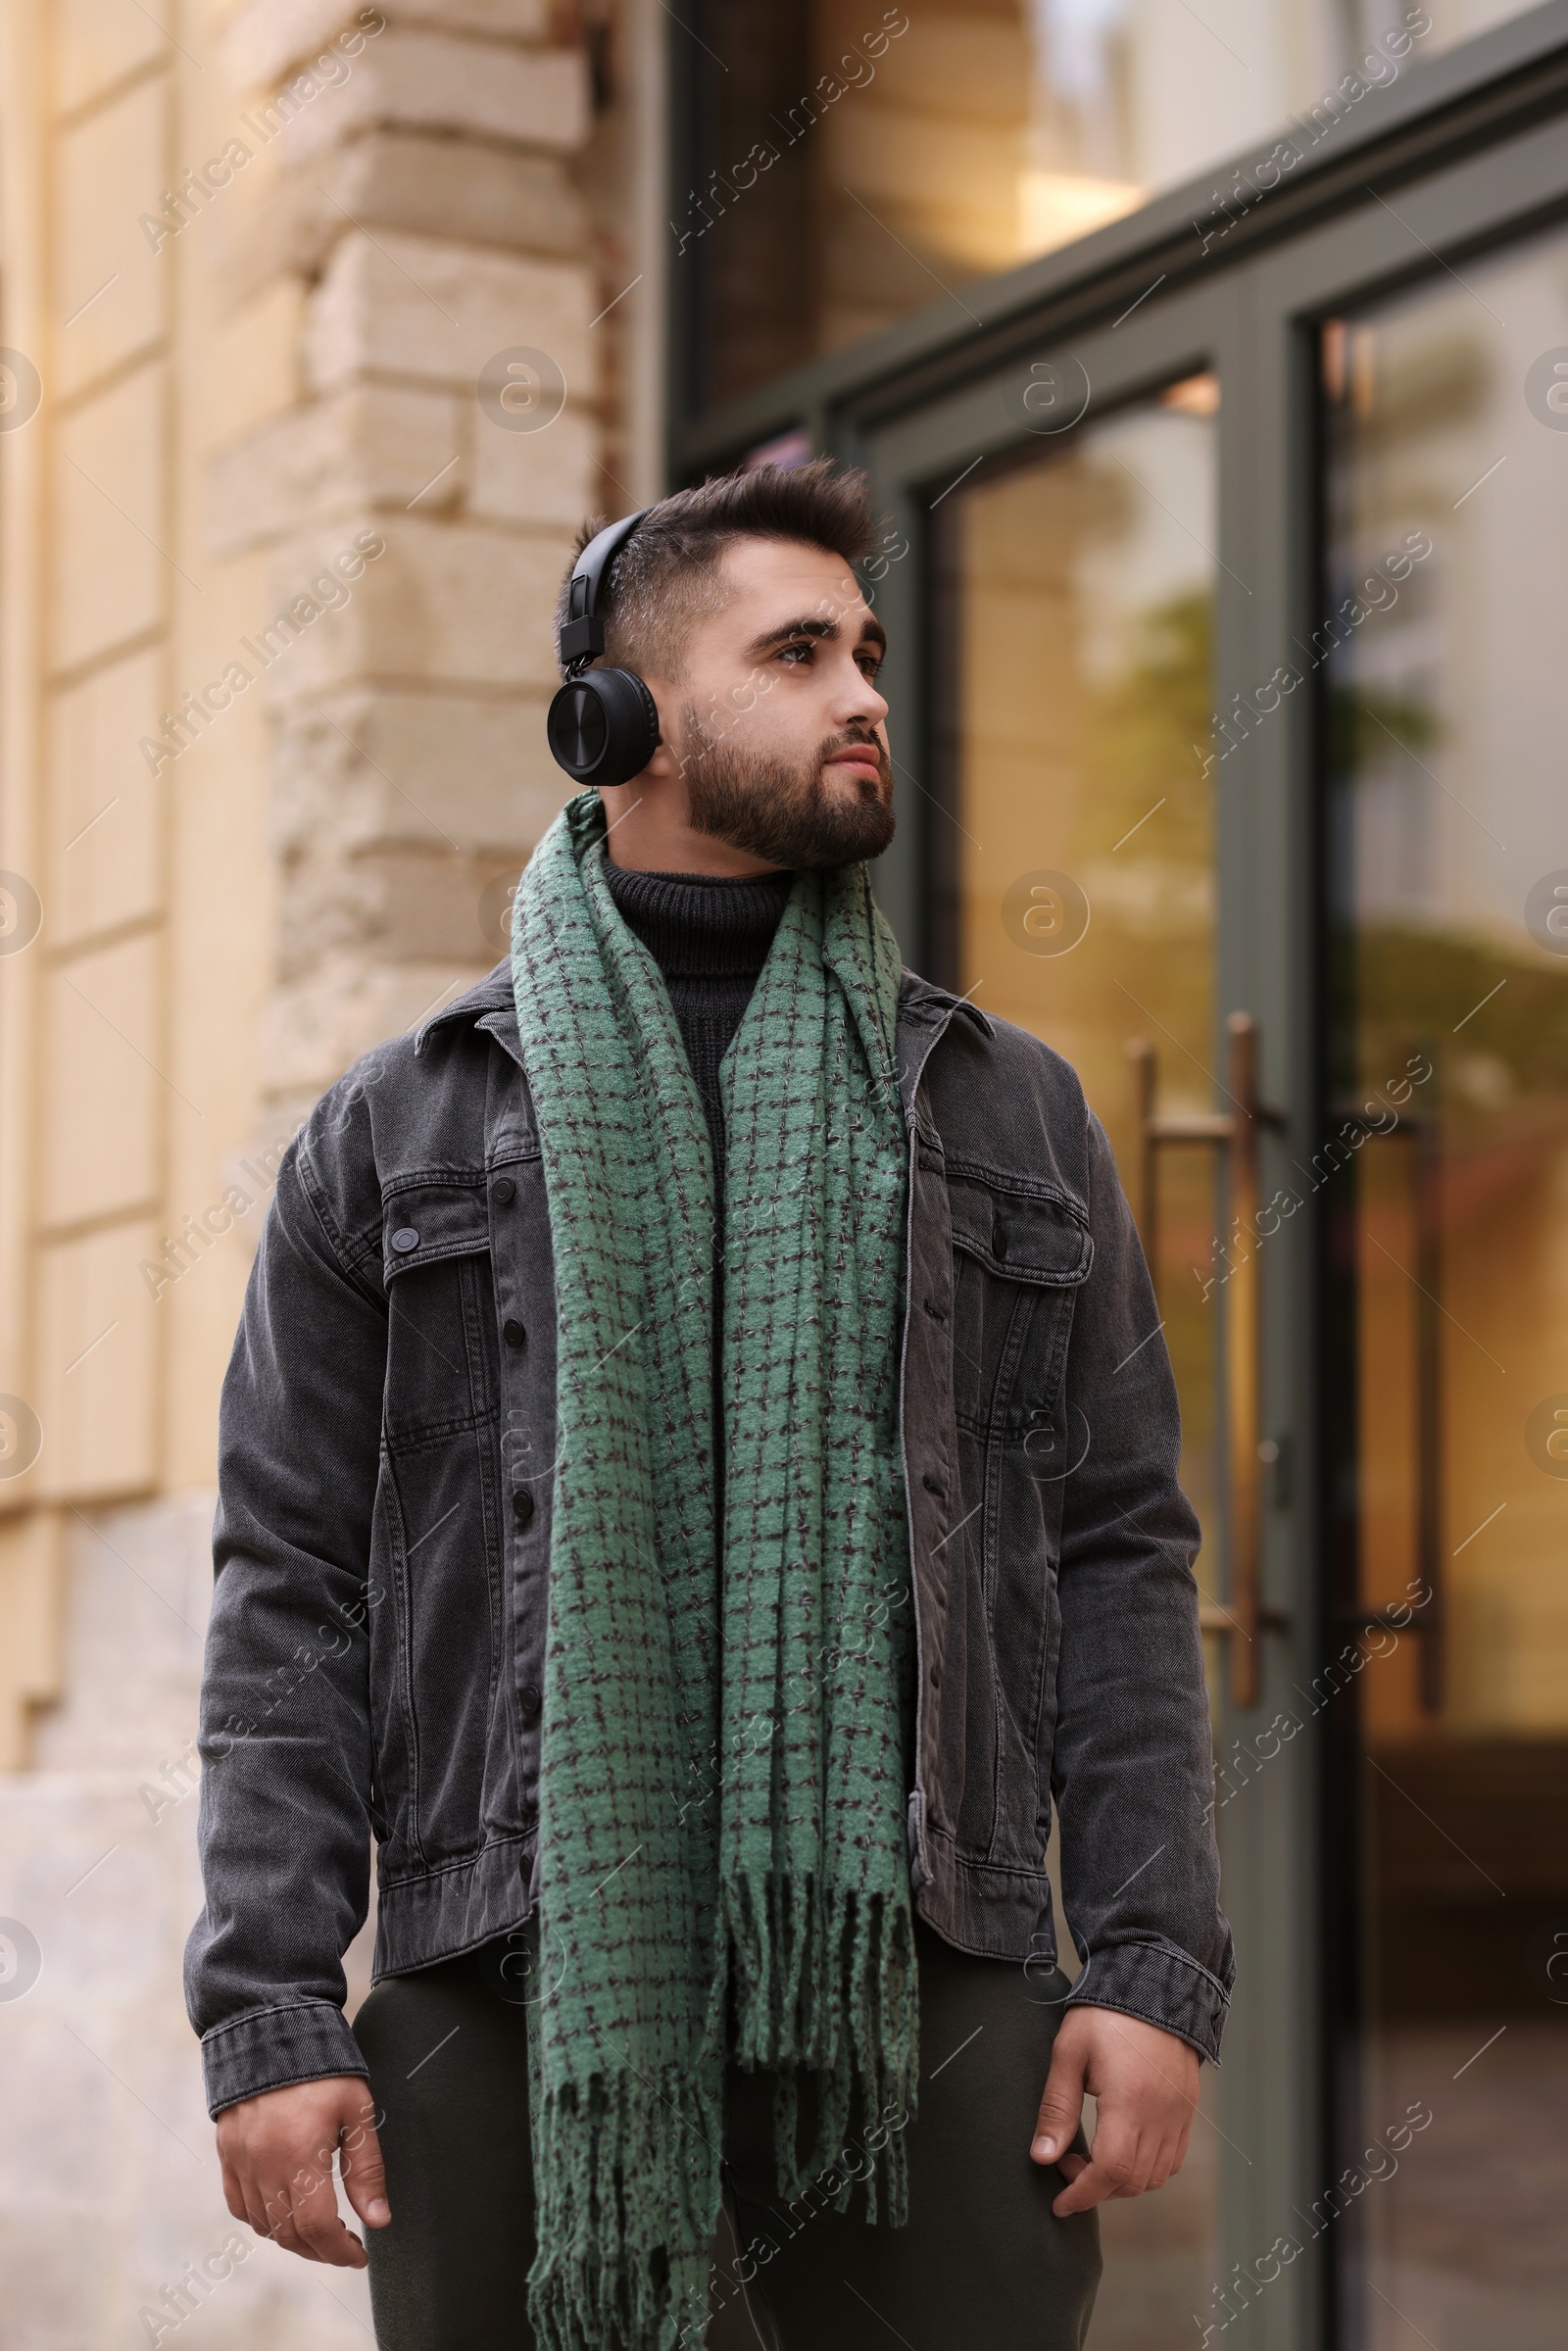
603, 727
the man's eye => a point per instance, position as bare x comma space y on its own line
796, 653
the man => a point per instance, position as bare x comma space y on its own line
698, 1472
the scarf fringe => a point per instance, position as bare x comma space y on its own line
825, 1985
619, 2170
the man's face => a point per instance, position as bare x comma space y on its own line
776, 730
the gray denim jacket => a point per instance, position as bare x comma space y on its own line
375, 1654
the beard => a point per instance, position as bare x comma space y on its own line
783, 812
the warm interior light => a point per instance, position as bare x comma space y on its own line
1055, 207
1195, 396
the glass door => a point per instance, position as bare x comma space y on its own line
1071, 872
1444, 1178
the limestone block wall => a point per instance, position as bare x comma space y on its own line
407, 753
276, 572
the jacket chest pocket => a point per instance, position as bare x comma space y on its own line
435, 1252
1019, 1256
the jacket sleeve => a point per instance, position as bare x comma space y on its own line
284, 1816
1133, 1771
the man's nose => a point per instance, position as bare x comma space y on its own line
857, 703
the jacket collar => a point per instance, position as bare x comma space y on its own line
490, 1006
924, 1011
922, 1000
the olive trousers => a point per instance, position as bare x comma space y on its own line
982, 2259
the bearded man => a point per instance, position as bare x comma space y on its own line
699, 1495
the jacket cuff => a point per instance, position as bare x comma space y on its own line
267, 2048
1161, 1985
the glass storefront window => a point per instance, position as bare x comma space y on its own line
849, 161
1444, 1177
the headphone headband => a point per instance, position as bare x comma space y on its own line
582, 633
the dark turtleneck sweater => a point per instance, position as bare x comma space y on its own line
709, 936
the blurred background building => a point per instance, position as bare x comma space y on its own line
1211, 365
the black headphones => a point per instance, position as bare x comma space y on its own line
602, 724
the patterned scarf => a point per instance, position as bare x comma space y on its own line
726, 1723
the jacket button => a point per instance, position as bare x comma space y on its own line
504, 1191
932, 1485
998, 1241
512, 1332
530, 1702
405, 1238
522, 1505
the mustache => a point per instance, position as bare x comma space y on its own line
853, 739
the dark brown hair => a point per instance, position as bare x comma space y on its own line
669, 575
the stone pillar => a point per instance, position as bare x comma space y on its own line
414, 531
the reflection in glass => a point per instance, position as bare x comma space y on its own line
853, 161
1448, 1238
1073, 894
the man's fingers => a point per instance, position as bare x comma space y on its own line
1083, 2193
289, 2238
1113, 2163
1061, 2103
255, 2211
276, 2220
1139, 2174
365, 2176
313, 2201
1120, 2165
316, 2230
330, 2242
1177, 2152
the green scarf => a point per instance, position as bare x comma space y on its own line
727, 1724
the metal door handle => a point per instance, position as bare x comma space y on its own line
1428, 1617
1237, 1133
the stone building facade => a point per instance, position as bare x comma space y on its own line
322, 327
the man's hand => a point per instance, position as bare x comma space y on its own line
276, 2151
1145, 2085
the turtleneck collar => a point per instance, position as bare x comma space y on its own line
702, 925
